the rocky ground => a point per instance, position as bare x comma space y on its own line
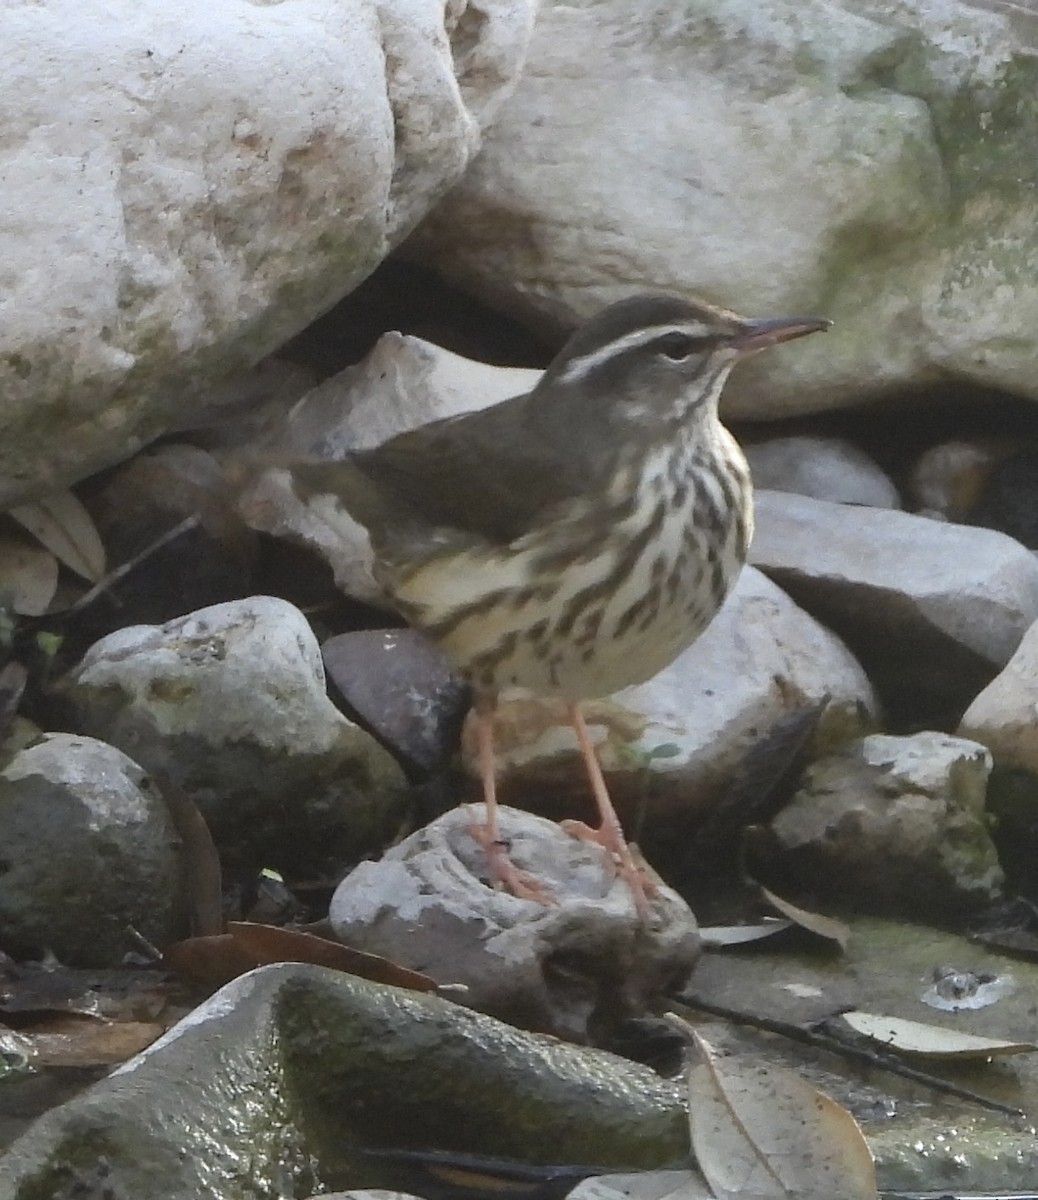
208, 712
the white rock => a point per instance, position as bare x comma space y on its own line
1004, 716
185, 188
827, 468
772, 157
403, 383
230, 702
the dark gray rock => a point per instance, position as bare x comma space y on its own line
87, 849
401, 688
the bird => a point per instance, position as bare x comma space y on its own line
572, 540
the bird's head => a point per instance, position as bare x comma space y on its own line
660, 357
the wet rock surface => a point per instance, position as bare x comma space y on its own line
275, 1081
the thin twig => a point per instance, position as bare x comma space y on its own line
859, 1054
103, 585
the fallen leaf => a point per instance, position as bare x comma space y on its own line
61, 524
272, 944
213, 960
217, 960
204, 877
28, 576
739, 935
823, 927
762, 1131
13, 679
931, 1041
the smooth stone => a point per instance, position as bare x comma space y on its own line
1002, 716
671, 747
88, 852
932, 610
184, 192
871, 160
402, 688
827, 468
273, 1083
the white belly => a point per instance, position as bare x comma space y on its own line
586, 631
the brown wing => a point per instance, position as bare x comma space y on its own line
487, 474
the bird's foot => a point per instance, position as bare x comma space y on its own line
503, 873
621, 861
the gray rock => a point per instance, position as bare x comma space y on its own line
575, 968
88, 849
403, 689
670, 747
230, 703
892, 825
827, 468
933, 610
402, 383
182, 197
869, 157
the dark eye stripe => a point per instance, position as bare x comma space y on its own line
676, 346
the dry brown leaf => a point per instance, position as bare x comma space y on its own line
822, 926
273, 944
740, 935
213, 961
204, 876
247, 944
61, 524
930, 1041
762, 1131
28, 576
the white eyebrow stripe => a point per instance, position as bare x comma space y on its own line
580, 367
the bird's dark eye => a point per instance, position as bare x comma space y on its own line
677, 346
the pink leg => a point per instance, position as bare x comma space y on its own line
610, 833
502, 871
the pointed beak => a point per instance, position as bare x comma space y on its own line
758, 335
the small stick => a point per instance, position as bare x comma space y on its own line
103, 585
859, 1054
